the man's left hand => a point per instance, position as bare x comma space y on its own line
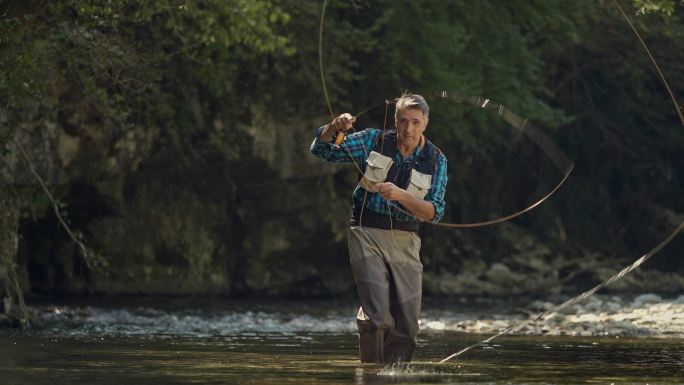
390, 191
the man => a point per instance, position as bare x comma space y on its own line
404, 182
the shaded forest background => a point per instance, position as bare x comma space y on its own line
175, 137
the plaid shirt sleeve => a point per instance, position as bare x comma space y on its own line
356, 146
438, 189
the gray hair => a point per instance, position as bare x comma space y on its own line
413, 102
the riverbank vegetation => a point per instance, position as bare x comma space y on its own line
174, 137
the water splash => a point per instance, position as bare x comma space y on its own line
400, 370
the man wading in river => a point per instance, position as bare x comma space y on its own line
403, 167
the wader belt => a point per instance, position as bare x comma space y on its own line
379, 221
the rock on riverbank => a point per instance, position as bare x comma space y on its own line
645, 315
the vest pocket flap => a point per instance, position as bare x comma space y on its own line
420, 180
419, 184
377, 160
377, 168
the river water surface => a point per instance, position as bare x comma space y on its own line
164, 342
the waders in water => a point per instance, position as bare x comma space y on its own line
387, 271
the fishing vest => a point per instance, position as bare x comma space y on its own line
380, 166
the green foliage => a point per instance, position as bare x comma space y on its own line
217, 99
654, 6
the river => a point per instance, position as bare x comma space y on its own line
213, 341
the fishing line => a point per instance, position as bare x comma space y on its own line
677, 106
576, 299
320, 60
627, 269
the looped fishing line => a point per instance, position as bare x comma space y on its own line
557, 156
553, 152
627, 269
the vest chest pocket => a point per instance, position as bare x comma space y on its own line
419, 184
377, 167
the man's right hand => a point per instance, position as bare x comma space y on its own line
341, 123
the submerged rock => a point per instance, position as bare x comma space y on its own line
499, 273
646, 299
541, 305
611, 306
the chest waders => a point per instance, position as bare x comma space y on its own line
385, 258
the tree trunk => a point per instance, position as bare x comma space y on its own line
9, 242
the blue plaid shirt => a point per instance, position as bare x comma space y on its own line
360, 144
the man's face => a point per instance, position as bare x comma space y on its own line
410, 126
